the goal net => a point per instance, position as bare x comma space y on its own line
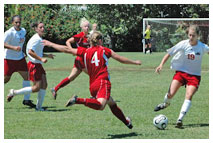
166, 32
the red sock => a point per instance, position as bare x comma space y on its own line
63, 83
80, 101
119, 114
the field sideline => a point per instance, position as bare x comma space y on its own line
136, 89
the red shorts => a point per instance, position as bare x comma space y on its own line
79, 63
187, 79
11, 66
101, 89
35, 71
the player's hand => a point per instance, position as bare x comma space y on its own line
44, 60
51, 56
158, 69
46, 43
17, 48
137, 62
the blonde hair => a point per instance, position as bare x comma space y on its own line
82, 21
95, 37
193, 27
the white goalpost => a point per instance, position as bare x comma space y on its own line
166, 32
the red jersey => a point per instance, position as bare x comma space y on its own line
81, 40
96, 62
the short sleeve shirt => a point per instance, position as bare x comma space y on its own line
35, 44
188, 58
14, 38
96, 62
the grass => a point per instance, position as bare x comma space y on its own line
136, 89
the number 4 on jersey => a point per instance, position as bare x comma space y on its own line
95, 59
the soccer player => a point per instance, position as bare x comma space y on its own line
36, 71
14, 60
96, 61
187, 58
81, 40
94, 28
147, 37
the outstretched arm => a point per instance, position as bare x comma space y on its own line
124, 60
61, 48
159, 68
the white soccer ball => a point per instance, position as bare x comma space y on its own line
160, 121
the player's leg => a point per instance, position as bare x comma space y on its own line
6, 79
26, 83
100, 90
190, 91
74, 73
118, 113
8, 70
150, 47
41, 93
175, 85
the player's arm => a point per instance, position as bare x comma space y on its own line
69, 41
34, 55
15, 48
61, 48
163, 61
51, 56
124, 60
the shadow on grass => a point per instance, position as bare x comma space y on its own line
118, 136
194, 125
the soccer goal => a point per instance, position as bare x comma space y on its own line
167, 32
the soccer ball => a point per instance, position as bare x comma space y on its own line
160, 121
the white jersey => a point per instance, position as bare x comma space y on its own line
188, 58
14, 38
35, 44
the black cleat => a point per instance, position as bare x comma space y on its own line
179, 124
29, 103
129, 125
71, 101
10, 95
161, 106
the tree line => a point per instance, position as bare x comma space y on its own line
121, 24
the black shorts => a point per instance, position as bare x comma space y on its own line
147, 41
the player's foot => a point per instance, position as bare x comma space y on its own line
29, 103
179, 124
161, 106
129, 125
71, 101
10, 95
54, 93
40, 109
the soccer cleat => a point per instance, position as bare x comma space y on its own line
71, 101
129, 125
41, 109
29, 103
10, 95
53, 93
161, 106
179, 124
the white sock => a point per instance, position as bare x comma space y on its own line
166, 99
26, 83
185, 108
40, 98
25, 90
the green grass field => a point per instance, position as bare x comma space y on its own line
136, 89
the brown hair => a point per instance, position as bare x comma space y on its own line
35, 24
195, 28
95, 37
